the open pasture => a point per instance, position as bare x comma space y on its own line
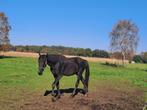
111, 88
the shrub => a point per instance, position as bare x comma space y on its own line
137, 59
113, 64
100, 53
144, 57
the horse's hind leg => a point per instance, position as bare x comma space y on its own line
85, 87
78, 80
80, 77
76, 86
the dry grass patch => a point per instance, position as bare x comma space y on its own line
35, 55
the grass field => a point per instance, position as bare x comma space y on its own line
21, 88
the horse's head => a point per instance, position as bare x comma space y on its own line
42, 62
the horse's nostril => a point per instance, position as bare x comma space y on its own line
40, 73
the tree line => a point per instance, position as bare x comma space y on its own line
62, 50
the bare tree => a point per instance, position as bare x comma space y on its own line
4, 30
124, 38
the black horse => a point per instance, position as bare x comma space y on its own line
61, 65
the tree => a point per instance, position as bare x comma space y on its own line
100, 53
88, 52
4, 31
124, 38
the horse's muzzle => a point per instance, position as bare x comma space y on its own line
39, 72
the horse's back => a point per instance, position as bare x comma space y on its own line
80, 61
54, 58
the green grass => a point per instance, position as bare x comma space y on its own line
21, 73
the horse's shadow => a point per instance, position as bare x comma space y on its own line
62, 91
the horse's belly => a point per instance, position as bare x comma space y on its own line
69, 72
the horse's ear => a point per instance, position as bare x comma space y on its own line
39, 53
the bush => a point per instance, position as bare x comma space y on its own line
144, 57
100, 53
113, 64
137, 59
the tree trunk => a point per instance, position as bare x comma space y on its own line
123, 58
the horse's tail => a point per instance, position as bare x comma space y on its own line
87, 74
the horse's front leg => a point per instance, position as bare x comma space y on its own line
58, 90
57, 85
54, 84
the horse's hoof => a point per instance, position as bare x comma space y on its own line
86, 95
62, 94
53, 94
53, 99
58, 97
72, 95
85, 91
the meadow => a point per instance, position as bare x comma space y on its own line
21, 88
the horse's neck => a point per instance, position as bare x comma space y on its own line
53, 59
50, 62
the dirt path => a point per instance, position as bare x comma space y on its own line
101, 99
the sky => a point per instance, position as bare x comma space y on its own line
72, 23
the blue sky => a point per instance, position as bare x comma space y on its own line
73, 23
